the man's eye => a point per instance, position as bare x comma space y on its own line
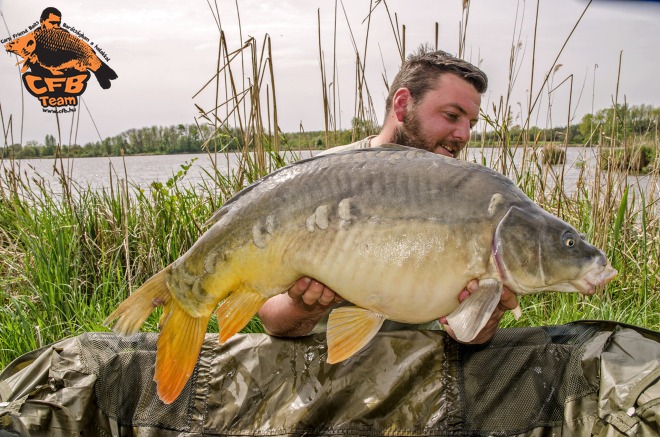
452, 116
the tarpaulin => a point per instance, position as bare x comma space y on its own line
580, 379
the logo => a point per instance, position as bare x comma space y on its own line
60, 62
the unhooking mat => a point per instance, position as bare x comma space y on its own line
580, 379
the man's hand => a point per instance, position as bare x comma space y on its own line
312, 293
508, 301
296, 312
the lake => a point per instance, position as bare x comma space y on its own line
95, 173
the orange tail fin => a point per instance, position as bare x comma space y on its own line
179, 343
132, 312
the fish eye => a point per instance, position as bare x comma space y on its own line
568, 239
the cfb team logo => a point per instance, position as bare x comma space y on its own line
59, 62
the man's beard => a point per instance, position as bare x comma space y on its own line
408, 133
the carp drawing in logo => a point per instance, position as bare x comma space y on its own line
59, 62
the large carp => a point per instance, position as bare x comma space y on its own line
397, 231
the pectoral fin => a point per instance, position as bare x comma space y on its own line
475, 311
349, 330
237, 310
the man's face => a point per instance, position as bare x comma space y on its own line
441, 120
52, 22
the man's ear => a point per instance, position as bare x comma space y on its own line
401, 102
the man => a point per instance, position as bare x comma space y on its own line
432, 105
51, 18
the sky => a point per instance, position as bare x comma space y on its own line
164, 51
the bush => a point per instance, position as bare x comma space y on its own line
636, 159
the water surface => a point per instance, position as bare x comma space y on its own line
97, 173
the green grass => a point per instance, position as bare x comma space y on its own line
69, 255
67, 261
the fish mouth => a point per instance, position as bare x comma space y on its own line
598, 276
585, 287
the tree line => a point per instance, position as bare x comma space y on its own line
609, 126
614, 125
154, 140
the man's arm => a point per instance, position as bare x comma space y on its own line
295, 313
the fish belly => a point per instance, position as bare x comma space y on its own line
410, 272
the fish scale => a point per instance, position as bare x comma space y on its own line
59, 40
396, 231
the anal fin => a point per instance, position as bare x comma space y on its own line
237, 310
349, 330
475, 311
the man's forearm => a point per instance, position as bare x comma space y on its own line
284, 317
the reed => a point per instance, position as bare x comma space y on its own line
553, 155
70, 254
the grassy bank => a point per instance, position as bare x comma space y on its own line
69, 255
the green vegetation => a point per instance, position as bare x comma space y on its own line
67, 261
623, 124
167, 140
553, 155
69, 255
154, 140
635, 159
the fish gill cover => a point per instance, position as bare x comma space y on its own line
59, 58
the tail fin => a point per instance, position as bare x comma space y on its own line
104, 75
132, 312
179, 343
181, 335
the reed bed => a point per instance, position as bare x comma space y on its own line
69, 254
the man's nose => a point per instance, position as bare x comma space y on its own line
462, 132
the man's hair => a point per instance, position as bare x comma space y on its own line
421, 70
50, 10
